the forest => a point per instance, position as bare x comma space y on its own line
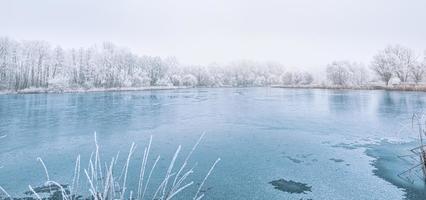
36, 64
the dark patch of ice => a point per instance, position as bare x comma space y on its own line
291, 186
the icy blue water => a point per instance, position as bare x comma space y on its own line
261, 134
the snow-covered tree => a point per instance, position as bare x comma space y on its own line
189, 80
418, 70
345, 73
358, 74
287, 78
382, 67
307, 78
395, 61
5, 62
157, 70
403, 60
338, 73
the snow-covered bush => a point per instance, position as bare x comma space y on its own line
59, 83
307, 78
287, 78
164, 82
189, 80
176, 79
260, 81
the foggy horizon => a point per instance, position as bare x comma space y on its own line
299, 35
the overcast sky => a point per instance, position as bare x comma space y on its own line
298, 33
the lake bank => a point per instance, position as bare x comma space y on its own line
83, 90
414, 88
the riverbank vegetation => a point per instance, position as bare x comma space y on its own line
109, 180
37, 66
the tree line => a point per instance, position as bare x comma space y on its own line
393, 62
36, 64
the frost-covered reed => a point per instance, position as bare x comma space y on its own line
104, 184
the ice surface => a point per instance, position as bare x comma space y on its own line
317, 137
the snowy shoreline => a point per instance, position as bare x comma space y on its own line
414, 88
83, 90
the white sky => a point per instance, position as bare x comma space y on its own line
300, 33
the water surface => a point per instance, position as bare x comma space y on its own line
315, 137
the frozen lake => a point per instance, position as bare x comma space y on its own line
316, 137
